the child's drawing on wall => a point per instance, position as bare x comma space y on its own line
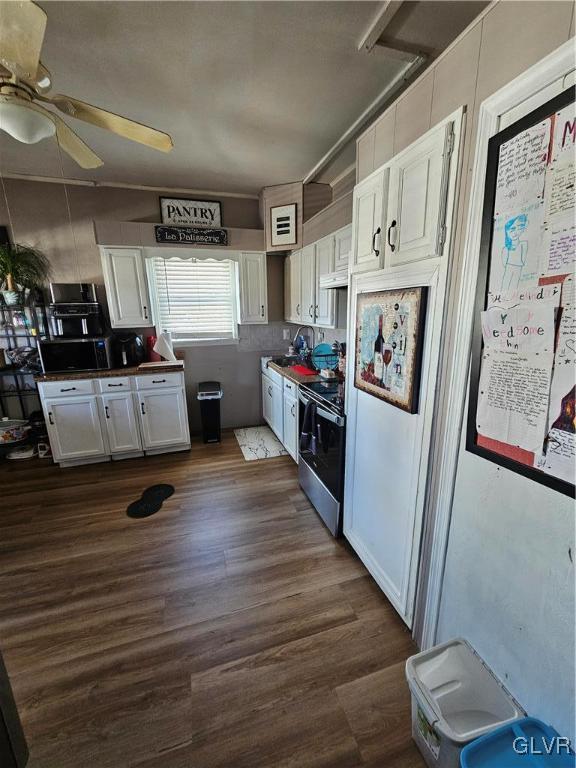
515, 251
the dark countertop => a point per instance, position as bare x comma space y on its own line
109, 373
289, 373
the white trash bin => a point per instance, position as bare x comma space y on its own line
455, 699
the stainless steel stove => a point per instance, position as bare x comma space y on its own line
322, 449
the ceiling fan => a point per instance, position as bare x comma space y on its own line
25, 81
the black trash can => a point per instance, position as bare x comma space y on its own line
209, 395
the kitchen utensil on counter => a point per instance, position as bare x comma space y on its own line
324, 357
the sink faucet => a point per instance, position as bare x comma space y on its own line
298, 334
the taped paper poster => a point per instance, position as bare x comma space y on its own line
516, 248
559, 249
515, 376
560, 457
522, 166
508, 299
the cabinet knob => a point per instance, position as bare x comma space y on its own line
68, 389
158, 381
374, 236
50, 419
145, 312
310, 310
142, 409
262, 310
390, 228
106, 411
292, 409
298, 309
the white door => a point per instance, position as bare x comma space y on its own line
291, 425
342, 247
74, 427
121, 423
308, 283
163, 417
126, 287
277, 415
417, 199
368, 207
295, 259
253, 289
267, 394
325, 306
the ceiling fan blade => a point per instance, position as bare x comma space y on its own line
71, 143
22, 27
111, 122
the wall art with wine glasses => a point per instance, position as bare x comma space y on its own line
389, 340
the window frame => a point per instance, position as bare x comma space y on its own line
197, 255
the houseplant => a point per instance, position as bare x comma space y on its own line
22, 268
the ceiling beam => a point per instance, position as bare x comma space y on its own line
384, 16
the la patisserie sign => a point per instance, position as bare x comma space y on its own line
191, 213
193, 235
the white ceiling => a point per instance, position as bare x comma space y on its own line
253, 93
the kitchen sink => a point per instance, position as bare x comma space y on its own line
285, 361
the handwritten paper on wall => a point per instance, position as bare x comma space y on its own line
515, 374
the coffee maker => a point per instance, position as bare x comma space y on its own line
127, 349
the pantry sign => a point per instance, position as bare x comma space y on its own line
191, 213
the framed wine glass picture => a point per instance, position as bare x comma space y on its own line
389, 341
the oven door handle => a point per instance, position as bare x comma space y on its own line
338, 420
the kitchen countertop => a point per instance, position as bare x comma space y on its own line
108, 373
289, 373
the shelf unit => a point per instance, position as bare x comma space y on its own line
14, 335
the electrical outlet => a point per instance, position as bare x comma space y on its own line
286, 334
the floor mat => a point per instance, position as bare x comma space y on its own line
151, 501
259, 443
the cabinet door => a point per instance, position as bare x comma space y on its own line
368, 207
121, 424
253, 288
287, 289
296, 287
74, 427
277, 415
416, 203
308, 284
163, 417
291, 425
342, 247
267, 394
126, 287
325, 306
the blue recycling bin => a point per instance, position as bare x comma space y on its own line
525, 743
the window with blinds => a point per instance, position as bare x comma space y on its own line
195, 298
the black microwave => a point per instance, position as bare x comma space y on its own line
89, 354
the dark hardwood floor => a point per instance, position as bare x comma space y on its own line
230, 630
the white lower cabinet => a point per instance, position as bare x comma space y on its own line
120, 421
291, 425
74, 428
163, 418
280, 409
87, 422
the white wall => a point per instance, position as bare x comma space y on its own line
509, 585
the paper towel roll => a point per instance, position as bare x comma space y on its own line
163, 346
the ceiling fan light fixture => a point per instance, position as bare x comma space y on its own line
24, 123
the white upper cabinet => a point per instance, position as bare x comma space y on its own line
416, 200
120, 420
293, 287
126, 287
308, 284
367, 222
74, 427
324, 306
253, 288
342, 247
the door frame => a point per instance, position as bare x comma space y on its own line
559, 64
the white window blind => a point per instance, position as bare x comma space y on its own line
195, 298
